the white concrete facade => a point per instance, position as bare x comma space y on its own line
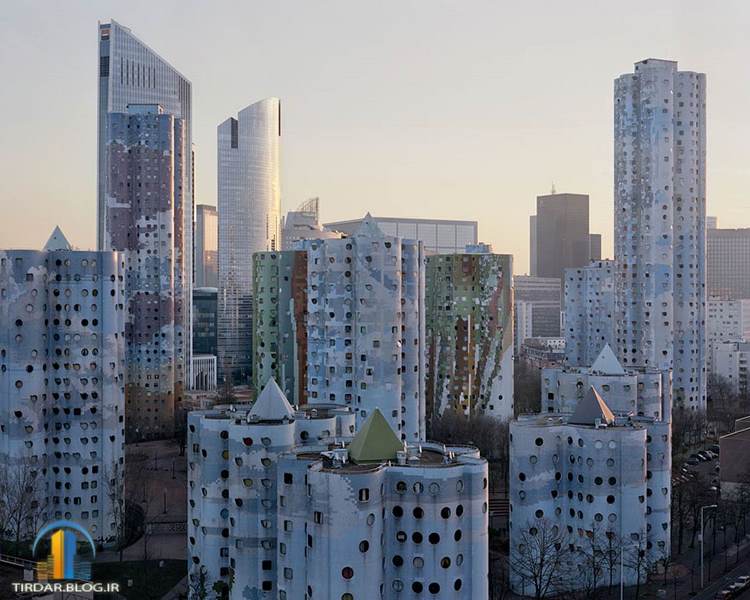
583, 482
62, 388
730, 360
366, 327
385, 530
660, 221
589, 301
204, 372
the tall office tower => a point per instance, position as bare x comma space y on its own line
543, 293
206, 246
366, 326
439, 236
588, 482
533, 267
280, 322
728, 262
589, 311
304, 224
562, 233
382, 520
234, 494
249, 213
132, 73
469, 325
728, 320
146, 201
62, 398
660, 227
595, 246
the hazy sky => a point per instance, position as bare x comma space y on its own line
462, 109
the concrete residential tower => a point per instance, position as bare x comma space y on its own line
62, 385
366, 327
249, 204
660, 236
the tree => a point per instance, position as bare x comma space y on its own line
592, 557
21, 500
612, 548
199, 584
527, 388
537, 559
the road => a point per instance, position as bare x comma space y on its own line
723, 582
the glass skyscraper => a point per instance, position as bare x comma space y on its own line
249, 203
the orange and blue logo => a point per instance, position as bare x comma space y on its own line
63, 561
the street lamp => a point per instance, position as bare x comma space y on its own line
701, 538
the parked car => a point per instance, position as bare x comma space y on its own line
717, 468
744, 581
724, 595
704, 456
692, 461
715, 448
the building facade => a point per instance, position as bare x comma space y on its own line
660, 228
439, 236
595, 246
62, 385
249, 203
280, 322
205, 317
562, 233
131, 73
366, 326
146, 202
730, 360
304, 224
589, 294
382, 520
204, 373
469, 327
590, 483
543, 293
728, 262
524, 324
233, 492
728, 320
206, 246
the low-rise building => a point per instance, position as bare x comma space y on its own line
735, 470
587, 484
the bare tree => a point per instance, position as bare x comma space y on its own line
592, 555
636, 559
21, 500
538, 558
612, 549
527, 387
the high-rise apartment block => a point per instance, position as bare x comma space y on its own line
62, 387
589, 311
304, 224
728, 262
280, 322
728, 320
729, 362
249, 204
561, 232
469, 324
660, 228
132, 74
439, 236
366, 326
543, 293
146, 201
206, 246
590, 482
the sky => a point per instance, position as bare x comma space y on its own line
461, 109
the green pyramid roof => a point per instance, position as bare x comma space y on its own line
375, 441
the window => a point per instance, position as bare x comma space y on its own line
364, 494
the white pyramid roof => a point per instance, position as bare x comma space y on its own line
369, 228
57, 241
272, 404
607, 362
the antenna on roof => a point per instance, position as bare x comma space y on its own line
553, 188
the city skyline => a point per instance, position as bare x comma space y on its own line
492, 158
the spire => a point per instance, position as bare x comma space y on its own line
369, 228
375, 441
592, 410
607, 362
57, 241
272, 404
